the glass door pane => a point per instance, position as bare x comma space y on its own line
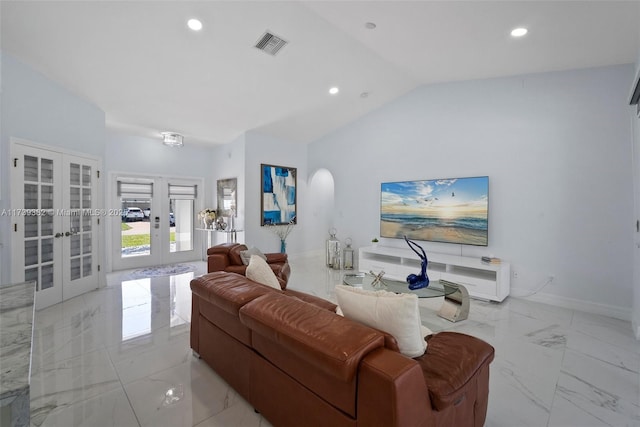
181, 225
38, 221
136, 232
135, 226
135, 200
80, 225
79, 221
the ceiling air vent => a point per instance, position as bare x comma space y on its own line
270, 43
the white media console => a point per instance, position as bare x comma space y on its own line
482, 280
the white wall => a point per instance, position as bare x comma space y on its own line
264, 149
135, 154
636, 157
36, 109
556, 148
228, 161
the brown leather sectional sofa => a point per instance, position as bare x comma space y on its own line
226, 257
300, 364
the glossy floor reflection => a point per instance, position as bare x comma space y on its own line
120, 356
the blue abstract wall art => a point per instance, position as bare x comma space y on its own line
278, 205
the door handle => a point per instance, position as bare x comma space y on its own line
58, 235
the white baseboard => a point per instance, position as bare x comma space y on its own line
587, 306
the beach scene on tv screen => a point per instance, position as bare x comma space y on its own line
440, 210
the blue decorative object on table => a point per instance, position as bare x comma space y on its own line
422, 280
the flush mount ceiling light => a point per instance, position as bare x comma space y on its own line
334, 90
172, 139
194, 24
519, 32
370, 26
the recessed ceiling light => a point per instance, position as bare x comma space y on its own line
370, 26
364, 95
519, 32
334, 90
194, 24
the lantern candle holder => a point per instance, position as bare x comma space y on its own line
333, 249
348, 253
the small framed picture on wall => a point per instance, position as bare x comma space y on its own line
279, 195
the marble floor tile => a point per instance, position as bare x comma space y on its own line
111, 409
61, 313
580, 403
68, 382
120, 356
623, 358
239, 414
527, 374
184, 395
599, 388
166, 348
609, 331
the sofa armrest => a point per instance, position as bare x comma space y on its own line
392, 391
222, 248
276, 258
217, 262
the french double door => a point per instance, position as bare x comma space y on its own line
156, 224
55, 222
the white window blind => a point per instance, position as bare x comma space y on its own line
183, 192
135, 188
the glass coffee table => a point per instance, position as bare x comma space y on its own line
456, 298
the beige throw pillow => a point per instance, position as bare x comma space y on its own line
245, 256
396, 314
259, 271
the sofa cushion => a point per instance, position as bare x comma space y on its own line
238, 269
229, 291
246, 255
396, 314
319, 349
259, 271
336, 344
311, 299
450, 362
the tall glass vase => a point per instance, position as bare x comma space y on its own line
283, 246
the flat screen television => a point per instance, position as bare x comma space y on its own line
454, 210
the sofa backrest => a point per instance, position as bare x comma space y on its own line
234, 254
222, 295
318, 348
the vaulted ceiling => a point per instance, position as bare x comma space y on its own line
138, 61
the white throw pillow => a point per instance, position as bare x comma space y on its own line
259, 271
245, 256
396, 314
